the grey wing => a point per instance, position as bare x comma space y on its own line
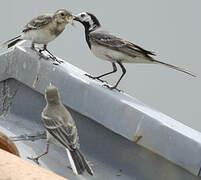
65, 133
38, 22
108, 40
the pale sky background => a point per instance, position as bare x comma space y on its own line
170, 28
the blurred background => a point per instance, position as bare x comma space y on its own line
169, 28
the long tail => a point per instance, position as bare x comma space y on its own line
11, 42
78, 162
175, 67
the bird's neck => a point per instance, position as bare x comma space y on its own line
57, 28
87, 38
87, 32
54, 103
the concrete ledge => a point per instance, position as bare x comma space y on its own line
116, 111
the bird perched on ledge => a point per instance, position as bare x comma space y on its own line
114, 49
43, 29
61, 130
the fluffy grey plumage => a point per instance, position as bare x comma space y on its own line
43, 29
61, 130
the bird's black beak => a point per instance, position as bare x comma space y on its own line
76, 18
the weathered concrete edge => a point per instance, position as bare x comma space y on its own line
119, 112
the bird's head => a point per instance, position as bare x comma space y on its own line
89, 21
52, 94
63, 16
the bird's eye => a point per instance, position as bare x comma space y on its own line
62, 14
82, 15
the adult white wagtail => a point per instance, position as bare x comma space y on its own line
114, 49
61, 130
43, 29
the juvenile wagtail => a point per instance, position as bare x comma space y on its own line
43, 29
114, 49
61, 130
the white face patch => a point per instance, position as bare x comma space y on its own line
84, 17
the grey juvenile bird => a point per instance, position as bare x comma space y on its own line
43, 29
114, 49
61, 130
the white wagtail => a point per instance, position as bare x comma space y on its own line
114, 49
61, 130
43, 29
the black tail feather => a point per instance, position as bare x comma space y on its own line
11, 42
14, 42
175, 67
86, 164
80, 162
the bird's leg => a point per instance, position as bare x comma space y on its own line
51, 55
35, 159
123, 73
33, 47
43, 56
98, 77
38, 51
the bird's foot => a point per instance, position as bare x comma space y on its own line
97, 78
69, 167
40, 50
59, 61
56, 61
34, 159
42, 56
40, 53
112, 87
33, 48
51, 56
137, 138
119, 173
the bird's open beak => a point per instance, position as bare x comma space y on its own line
69, 19
76, 18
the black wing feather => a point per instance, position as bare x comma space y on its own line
108, 40
66, 134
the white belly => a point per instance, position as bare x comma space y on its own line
38, 36
113, 55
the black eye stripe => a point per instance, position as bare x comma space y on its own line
82, 15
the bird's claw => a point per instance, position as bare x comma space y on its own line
39, 51
59, 61
69, 167
96, 78
55, 63
55, 59
50, 56
112, 87
34, 160
43, 56
103, 81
